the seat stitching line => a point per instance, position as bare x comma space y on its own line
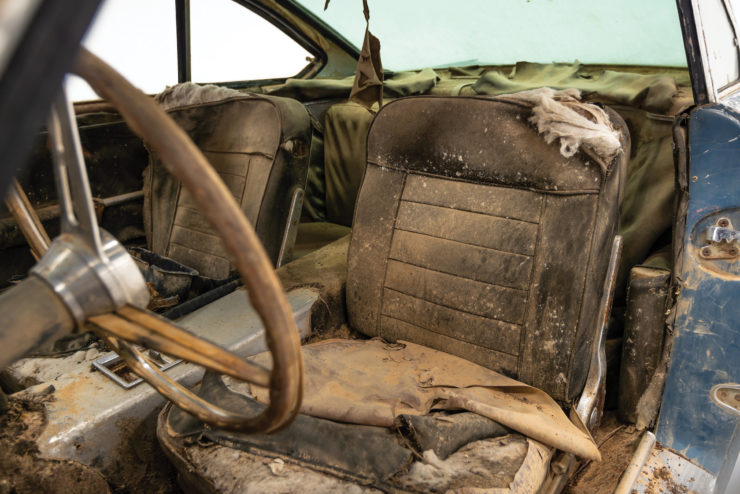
471, 211
538, 243
449, 336
450, 307
459, 276
202, 251
470, 244
388, 253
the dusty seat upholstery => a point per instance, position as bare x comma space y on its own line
473, 236
259, 145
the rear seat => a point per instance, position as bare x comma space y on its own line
345, 136
345, 126
647, 102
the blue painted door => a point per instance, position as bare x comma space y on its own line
706, 344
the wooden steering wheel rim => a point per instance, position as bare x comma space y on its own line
188, 164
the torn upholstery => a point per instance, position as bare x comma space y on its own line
560, 115
371, 382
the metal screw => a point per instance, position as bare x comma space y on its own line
722, 394
737, 396
732, 251
706, 252
723, 222
694, 178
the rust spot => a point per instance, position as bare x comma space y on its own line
663, 483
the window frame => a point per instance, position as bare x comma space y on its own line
700, 68
182, 28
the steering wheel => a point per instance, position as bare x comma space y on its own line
87, 278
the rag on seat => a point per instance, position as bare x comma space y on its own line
562, 115
372, 382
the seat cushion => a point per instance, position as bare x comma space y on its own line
508, 464
315, 235
259, 145
372, 382
316, 455
474, 236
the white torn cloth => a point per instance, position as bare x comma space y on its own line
562, 115
188, 93
480, 459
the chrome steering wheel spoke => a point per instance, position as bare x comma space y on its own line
73, 187
85, 266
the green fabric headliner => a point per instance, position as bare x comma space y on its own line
399, 84
647, 103
652, 92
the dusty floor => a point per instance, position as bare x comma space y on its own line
21, 469
143, 468
617, 442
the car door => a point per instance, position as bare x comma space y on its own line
699, 413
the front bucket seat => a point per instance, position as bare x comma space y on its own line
471, 236
259, 145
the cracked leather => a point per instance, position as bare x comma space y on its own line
365, 454
474, 236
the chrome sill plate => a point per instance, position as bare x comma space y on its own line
105, 363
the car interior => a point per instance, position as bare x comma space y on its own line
451, 255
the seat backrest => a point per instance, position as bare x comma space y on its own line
259, 145
474, 236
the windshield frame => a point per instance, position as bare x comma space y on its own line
672, 55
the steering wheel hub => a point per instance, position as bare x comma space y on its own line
90, 284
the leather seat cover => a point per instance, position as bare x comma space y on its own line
259, 145
475, 237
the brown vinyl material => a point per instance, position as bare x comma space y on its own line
473, 236
259, 147
643, 336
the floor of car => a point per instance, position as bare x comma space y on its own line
617, 443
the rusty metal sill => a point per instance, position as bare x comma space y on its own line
91, 416
668, 471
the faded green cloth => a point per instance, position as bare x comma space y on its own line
345, 134
647, 210
315, 235
397, 85
314, 203
653, 92
647, 102
367, 88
